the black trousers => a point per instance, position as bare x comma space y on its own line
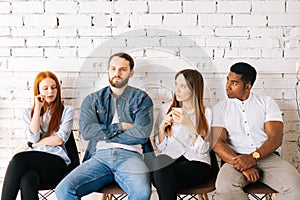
171, 175
28, 171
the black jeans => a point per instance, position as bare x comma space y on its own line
28, 171
171, 175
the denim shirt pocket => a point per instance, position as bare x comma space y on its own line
133, 110
101, 114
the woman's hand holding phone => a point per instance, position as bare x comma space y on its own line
177, 114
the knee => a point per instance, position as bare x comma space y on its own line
221, 185
142, 193
30, 179
229, 179
63, 188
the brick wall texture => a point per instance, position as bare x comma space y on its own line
74, 39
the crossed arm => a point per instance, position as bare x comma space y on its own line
245, 162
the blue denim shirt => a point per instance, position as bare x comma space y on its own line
97, 109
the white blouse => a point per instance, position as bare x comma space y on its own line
180, 142
64, 131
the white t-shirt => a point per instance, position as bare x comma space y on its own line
180, 142
244, 121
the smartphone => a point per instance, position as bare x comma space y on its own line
177, 109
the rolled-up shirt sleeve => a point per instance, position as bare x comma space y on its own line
161, 146
66, 123
31, 137
63, 131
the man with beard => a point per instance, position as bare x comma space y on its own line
116, 121
248, 129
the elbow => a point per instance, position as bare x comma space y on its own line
216, 147
279, 143
60, 141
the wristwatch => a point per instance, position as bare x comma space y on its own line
255, 155
29, 144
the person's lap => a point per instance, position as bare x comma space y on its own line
125, 167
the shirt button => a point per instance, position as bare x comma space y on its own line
245, 122
115, 133
104, 138
247, 134
243, 110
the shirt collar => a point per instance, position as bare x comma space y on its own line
239, 102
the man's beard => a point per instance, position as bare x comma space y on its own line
118, 84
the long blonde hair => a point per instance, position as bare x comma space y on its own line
57, 107
195, 83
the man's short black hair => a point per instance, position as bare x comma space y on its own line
247, 71
125, 56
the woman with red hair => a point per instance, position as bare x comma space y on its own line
43, 159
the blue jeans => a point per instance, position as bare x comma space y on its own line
127, 168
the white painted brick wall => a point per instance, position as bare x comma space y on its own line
199, 7
27, 52
75, 38
131, 7
152, 20
65, 7
5, 31
165, 7
27, 7
268, 6
257, 20
293, 7
171, 20
214, 20
29, 32
234, 6
284, 20
11, 20
96, 7
75, 20
5, 7
40, 20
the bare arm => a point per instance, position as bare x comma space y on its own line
274, 131
220, 146
227, 155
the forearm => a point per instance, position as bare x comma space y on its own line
49, 141
224, 152
268, 147
98, 131
34, 125
133, 136
161, 136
